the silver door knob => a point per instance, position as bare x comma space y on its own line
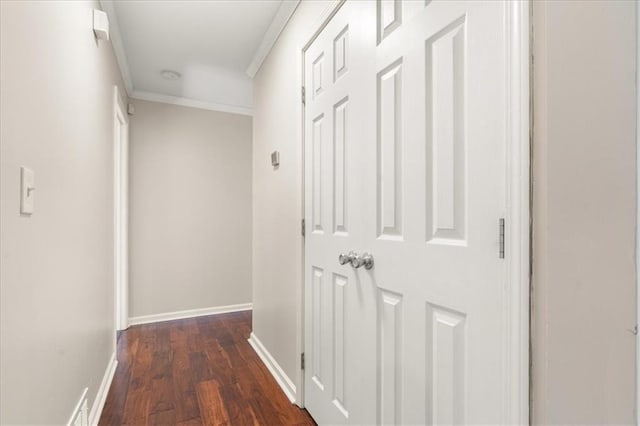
365, 260
343, 259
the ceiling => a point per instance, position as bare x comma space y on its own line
216, 46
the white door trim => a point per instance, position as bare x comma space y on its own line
120, 204
637, 212
518, 225
518, 229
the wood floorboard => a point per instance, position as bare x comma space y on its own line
196, 371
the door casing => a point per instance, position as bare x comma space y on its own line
637, 212
518, 190
120, 212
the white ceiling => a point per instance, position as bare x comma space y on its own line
216, 46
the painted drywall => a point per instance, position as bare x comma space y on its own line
277, 193
584, 308
190, 209
56, 275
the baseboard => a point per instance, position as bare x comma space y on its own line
191, 313
277, 372
101, 396
80, 411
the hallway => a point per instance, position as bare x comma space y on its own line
319, 212
195, 371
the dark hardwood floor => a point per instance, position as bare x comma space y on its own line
198, 371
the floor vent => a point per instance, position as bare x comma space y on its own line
80, 416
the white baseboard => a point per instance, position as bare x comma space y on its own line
191, 313
80, 411
101, 396
278, 373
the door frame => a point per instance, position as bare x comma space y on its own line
120, 211
637, 247
517, 210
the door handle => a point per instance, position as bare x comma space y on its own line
365, 260
343, 259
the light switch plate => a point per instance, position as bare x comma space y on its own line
27, 190
100, 24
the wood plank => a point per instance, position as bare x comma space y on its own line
212, 408
136, 408
200, 367
240, 413
186, 402
191, 422
221, 367
167, 417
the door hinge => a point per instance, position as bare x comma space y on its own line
302, 361
304, 96
501, 238
302, 227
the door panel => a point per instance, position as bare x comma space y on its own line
445, 164
390, 356
389, 164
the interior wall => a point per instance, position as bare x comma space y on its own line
190, 209
56, 275
277, 196
584, 297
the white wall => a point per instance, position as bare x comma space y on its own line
190, 209
584, 160
56, 276
277, 194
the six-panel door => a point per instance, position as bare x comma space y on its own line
405, 138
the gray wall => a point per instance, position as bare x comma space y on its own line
56, 277
277, 195
584, 219
190, 209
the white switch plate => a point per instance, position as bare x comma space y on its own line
100, 24
27, 190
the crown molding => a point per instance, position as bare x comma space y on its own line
116, 42
188, 102
283, 15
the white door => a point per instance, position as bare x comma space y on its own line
339, 304
405, 138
